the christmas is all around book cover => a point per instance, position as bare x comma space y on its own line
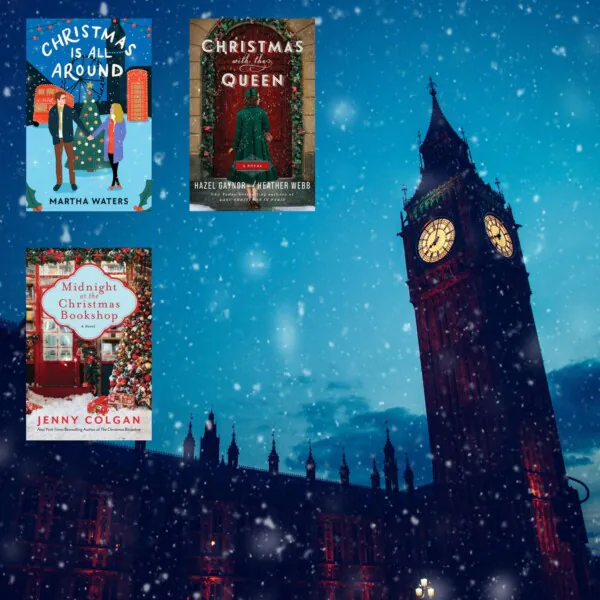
88, 115
88, 344
252, 114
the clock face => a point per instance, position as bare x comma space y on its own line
499, 235
436, 240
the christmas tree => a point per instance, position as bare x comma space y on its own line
132, 370
89, 155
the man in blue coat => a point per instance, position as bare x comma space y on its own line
60, 125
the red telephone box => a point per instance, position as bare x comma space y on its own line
137, 95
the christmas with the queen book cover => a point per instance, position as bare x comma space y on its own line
88, 115
88, 329
252, 114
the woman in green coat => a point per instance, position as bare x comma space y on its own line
251, 137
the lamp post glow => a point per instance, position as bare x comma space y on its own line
424, 590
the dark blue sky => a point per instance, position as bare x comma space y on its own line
301, 322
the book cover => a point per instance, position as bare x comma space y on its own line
252, 114
89, 344
88, 119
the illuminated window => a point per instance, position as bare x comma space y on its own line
109, 349
57, 341
326, 541
207, 590
214, 591
112, 267
212, 531
59, 269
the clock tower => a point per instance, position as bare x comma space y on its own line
498, 468
115, 60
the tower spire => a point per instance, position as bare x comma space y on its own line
273, 457
189, 444
499, 188
464, 139
344, 470
233, 452
432, 87
443, 153
390, 466
388, 448
210, 442
311, 466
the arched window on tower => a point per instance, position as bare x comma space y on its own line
325, 533
337, 541
206, 589
368, 544
214, 590
353, 542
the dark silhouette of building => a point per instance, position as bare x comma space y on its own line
101, 521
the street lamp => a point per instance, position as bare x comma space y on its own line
424, 590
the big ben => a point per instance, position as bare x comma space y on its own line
117, 85
498, 467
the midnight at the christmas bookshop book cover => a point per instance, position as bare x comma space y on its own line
89, 344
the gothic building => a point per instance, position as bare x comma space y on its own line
107, 522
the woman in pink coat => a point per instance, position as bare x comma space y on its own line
115, 131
